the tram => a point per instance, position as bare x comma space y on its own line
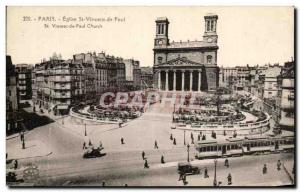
244, 146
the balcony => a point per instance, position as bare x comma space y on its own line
61, 95
61, 86
288, 83
61, 78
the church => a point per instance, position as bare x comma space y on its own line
186, 66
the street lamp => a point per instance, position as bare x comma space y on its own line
215, 176
188, 150
174, 108
184, 137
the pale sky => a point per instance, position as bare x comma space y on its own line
247, 35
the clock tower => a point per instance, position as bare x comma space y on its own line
161, 38
210, 33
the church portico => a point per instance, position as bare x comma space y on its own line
180, 77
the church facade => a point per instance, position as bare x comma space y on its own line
186, 66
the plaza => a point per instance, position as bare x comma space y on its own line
48, 148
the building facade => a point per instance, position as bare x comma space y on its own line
227, 76
270, 85
286, 96
59, 84
24, 78
146, 77
186, 66
12, 100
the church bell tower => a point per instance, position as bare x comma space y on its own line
210, 34
162, 27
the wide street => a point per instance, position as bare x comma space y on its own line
58, 150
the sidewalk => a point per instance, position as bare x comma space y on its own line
33, 148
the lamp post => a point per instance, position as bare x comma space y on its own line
215, 176
174, 108
85, 130
188, 150
184, 137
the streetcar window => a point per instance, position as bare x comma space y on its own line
215, 148
219, 148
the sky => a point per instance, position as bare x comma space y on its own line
247, 35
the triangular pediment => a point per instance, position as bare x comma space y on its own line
181, 61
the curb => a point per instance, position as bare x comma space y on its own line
35, 156
288, 173
16, 135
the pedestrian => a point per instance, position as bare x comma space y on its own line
143, 155
278, 165
192, 136
146, 164
21, 136
193, 141
16, 164
90, 143
174, 141
155, 145
171, 137
229, 178
265, 169
23, 144
206, 173
103, 183
180, 175
83, 146
226, 164
203, 137
122, 140
126, 185
162, 159
199, 137
120, 123
184, 179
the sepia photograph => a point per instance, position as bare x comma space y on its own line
154, 96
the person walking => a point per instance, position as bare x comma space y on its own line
143, 155
171, 137
155, 145
199, 137
90, 143
84, 145
226, 164
278, 165
206, 173
122, 140
265, 169
146, 165
162, 159
16, 164
229, 178
174, 141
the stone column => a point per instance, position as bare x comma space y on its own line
199, 80
174, 81
182, 80
167, 80
191, 80
159, 81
